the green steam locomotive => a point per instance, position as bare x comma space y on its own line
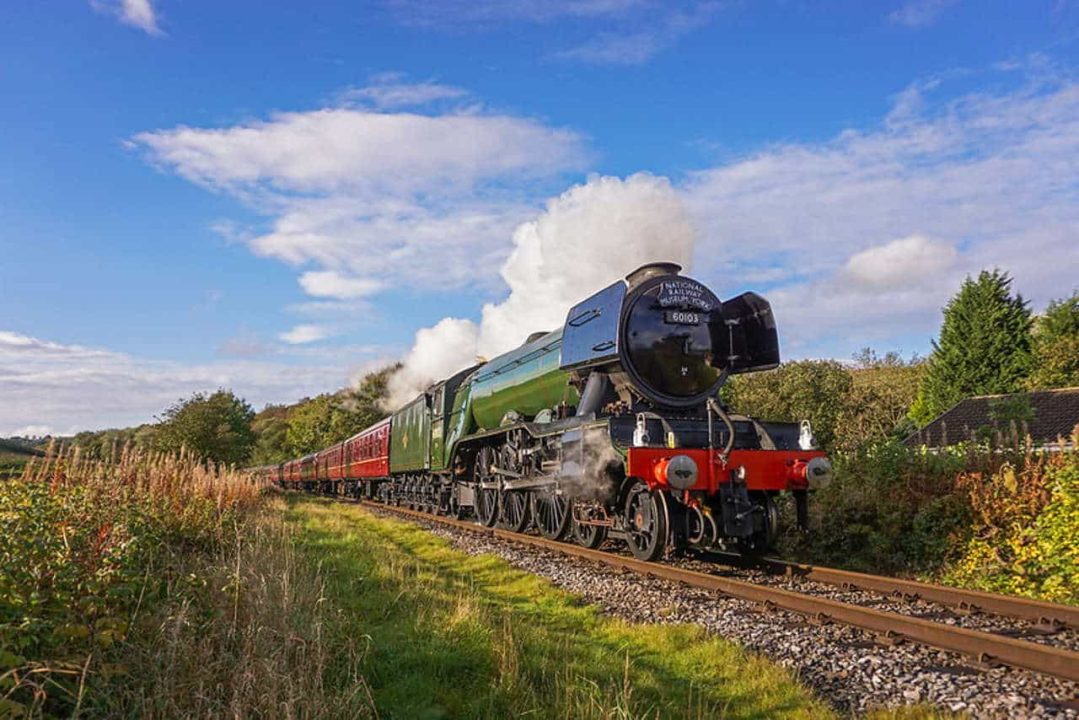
608, 427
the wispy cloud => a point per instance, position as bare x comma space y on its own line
644, 41
874, 229
392, 91
920, 13
619, 32
136, 13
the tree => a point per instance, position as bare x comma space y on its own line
319, 422
984, 346
309, 426
879, 400
814, 390
215, 427
1056, 346
271, 428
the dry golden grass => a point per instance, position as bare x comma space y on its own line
161, 478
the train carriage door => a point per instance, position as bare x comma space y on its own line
438, 412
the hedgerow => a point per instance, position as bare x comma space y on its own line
998, 519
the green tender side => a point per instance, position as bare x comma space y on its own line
410, 437
526, 380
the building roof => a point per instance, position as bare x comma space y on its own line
1044, 415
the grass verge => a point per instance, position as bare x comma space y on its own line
448, 635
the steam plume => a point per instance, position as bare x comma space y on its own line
586, 238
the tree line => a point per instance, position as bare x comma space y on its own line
990, 342
224, 428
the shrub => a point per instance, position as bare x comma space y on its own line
890, 509
1025, 538
998, 519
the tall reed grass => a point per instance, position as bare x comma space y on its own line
154, 585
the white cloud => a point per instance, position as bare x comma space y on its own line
369, 197
364, 152
332, 284
920, 13
136, 13
302, 334
438, 242
66, 388
911, 261
391, 91
875, 228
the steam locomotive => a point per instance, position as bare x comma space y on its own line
608, 427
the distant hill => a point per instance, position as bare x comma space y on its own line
15, 453
21, 446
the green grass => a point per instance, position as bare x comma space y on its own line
448, 635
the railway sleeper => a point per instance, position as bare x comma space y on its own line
889, 638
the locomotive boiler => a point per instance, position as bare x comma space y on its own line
609, 427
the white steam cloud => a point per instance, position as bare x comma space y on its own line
437, 352
586, 238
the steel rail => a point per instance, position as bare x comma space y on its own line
983, 646
1039, 611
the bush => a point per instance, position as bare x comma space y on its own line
1003, 520
1025, 540
890, 509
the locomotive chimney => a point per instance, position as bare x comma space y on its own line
651, 270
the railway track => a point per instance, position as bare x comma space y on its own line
985, 647
1049, 616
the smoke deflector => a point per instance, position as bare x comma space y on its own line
745, 338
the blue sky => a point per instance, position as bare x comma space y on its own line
276, 198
